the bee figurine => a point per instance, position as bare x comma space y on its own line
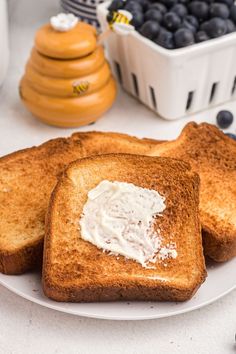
118, 22
120, 16
80, 87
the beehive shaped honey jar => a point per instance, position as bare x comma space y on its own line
67, 80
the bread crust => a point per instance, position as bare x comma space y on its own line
99, 143
217, 249
23, 259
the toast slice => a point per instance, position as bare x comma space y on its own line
212, 155
98, 143
75, 270
27, 178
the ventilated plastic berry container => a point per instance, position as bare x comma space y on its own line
173, 83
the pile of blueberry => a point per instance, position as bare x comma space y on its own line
180, 23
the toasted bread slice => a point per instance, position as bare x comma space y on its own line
213, 156
98, 143
77, 271
27, 178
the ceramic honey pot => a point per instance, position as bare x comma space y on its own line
67, 80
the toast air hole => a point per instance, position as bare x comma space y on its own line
189, 100
118, 72
135, 84
213, 91
153, 97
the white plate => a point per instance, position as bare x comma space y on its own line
141, 122
221, 280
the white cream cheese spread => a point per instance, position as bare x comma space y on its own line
118, 217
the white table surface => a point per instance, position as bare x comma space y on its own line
28, 328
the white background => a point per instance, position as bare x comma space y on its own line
28, 328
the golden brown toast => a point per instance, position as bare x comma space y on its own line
98, 143
27, 178
77, 271
213, 156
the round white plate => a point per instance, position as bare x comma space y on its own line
220, 281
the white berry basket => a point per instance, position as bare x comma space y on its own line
173, 83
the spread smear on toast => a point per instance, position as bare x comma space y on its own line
118, 217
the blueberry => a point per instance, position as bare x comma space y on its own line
138, 19
116, 5
171, 21
192, 20
169, 3
224, 119
110, 17
216, 27
219, 10
188, 25
150, 29
183, 38
226, 2
154, 15
165, 39
180, 10
201, 36
204, 26
144, 4
199, 9
232, 14
158, 6
133, 6
230, 26
184, 2
232, 136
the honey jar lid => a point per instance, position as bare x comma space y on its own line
66, 38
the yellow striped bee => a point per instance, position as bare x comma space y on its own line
120, 16
80, 87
